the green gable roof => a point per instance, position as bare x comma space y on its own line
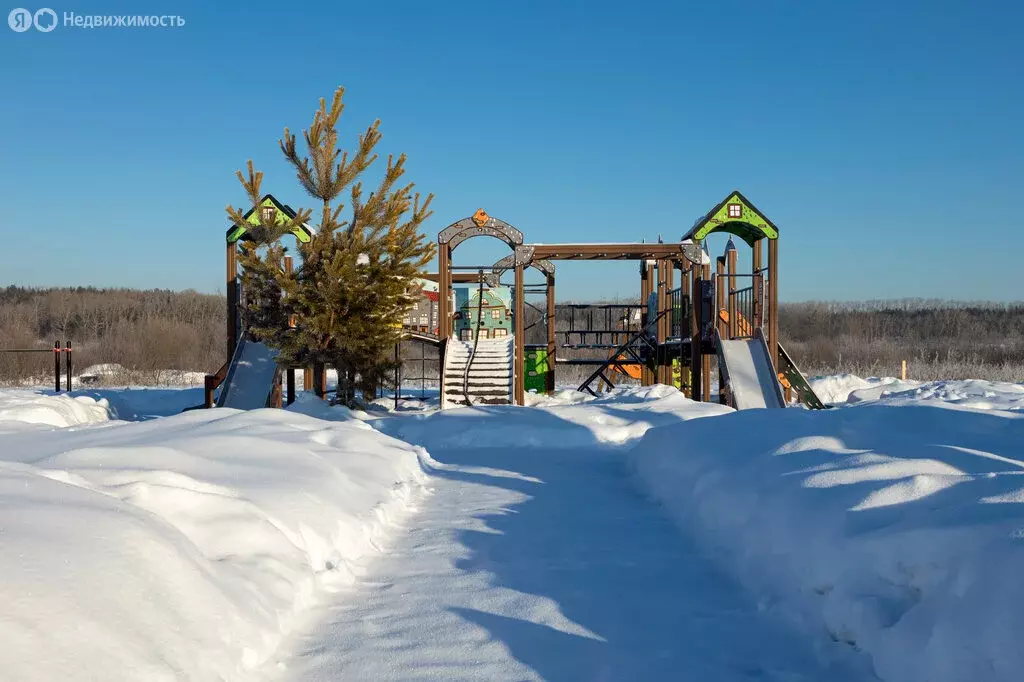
735, 215
284, 213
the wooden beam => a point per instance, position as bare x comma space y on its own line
641, 251
456, 277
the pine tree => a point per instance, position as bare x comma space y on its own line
351, 288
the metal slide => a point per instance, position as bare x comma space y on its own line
250, 377
746, 367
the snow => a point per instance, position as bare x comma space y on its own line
632, 535
23, 409
983, 395
534, 558
894, 524
184, 547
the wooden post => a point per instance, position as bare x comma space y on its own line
320, 380
550, 300
670, 284
684, 362
756, 258
520, 364
208, 389
720, 287
290, 372
307, 378
398, 372
734, 327
696, 364
706, 359
444, 291
232, 294
903, 370
662, 292
773, 302
646, 287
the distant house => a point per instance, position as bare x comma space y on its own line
423, 316
495, 318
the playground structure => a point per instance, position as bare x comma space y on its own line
672, 335
687, 315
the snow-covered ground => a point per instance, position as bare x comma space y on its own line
179, 548
894, 524
535, 558
637, 535
982, 395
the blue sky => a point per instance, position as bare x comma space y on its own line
884, 138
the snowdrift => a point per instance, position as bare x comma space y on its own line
896, 528
567, 419
184, 547
26, 409
982, 395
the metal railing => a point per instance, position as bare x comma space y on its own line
57, 351
741, 309
679, 321
598, 325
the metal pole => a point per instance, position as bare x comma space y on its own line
67, 349
56, 366
291, 385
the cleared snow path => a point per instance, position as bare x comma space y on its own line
544, 563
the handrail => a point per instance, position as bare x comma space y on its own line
211, 382
56, 350
613, 359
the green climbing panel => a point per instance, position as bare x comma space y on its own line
536, 369
804, 393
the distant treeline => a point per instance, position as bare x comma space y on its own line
147, 331
144, 331
938, 339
